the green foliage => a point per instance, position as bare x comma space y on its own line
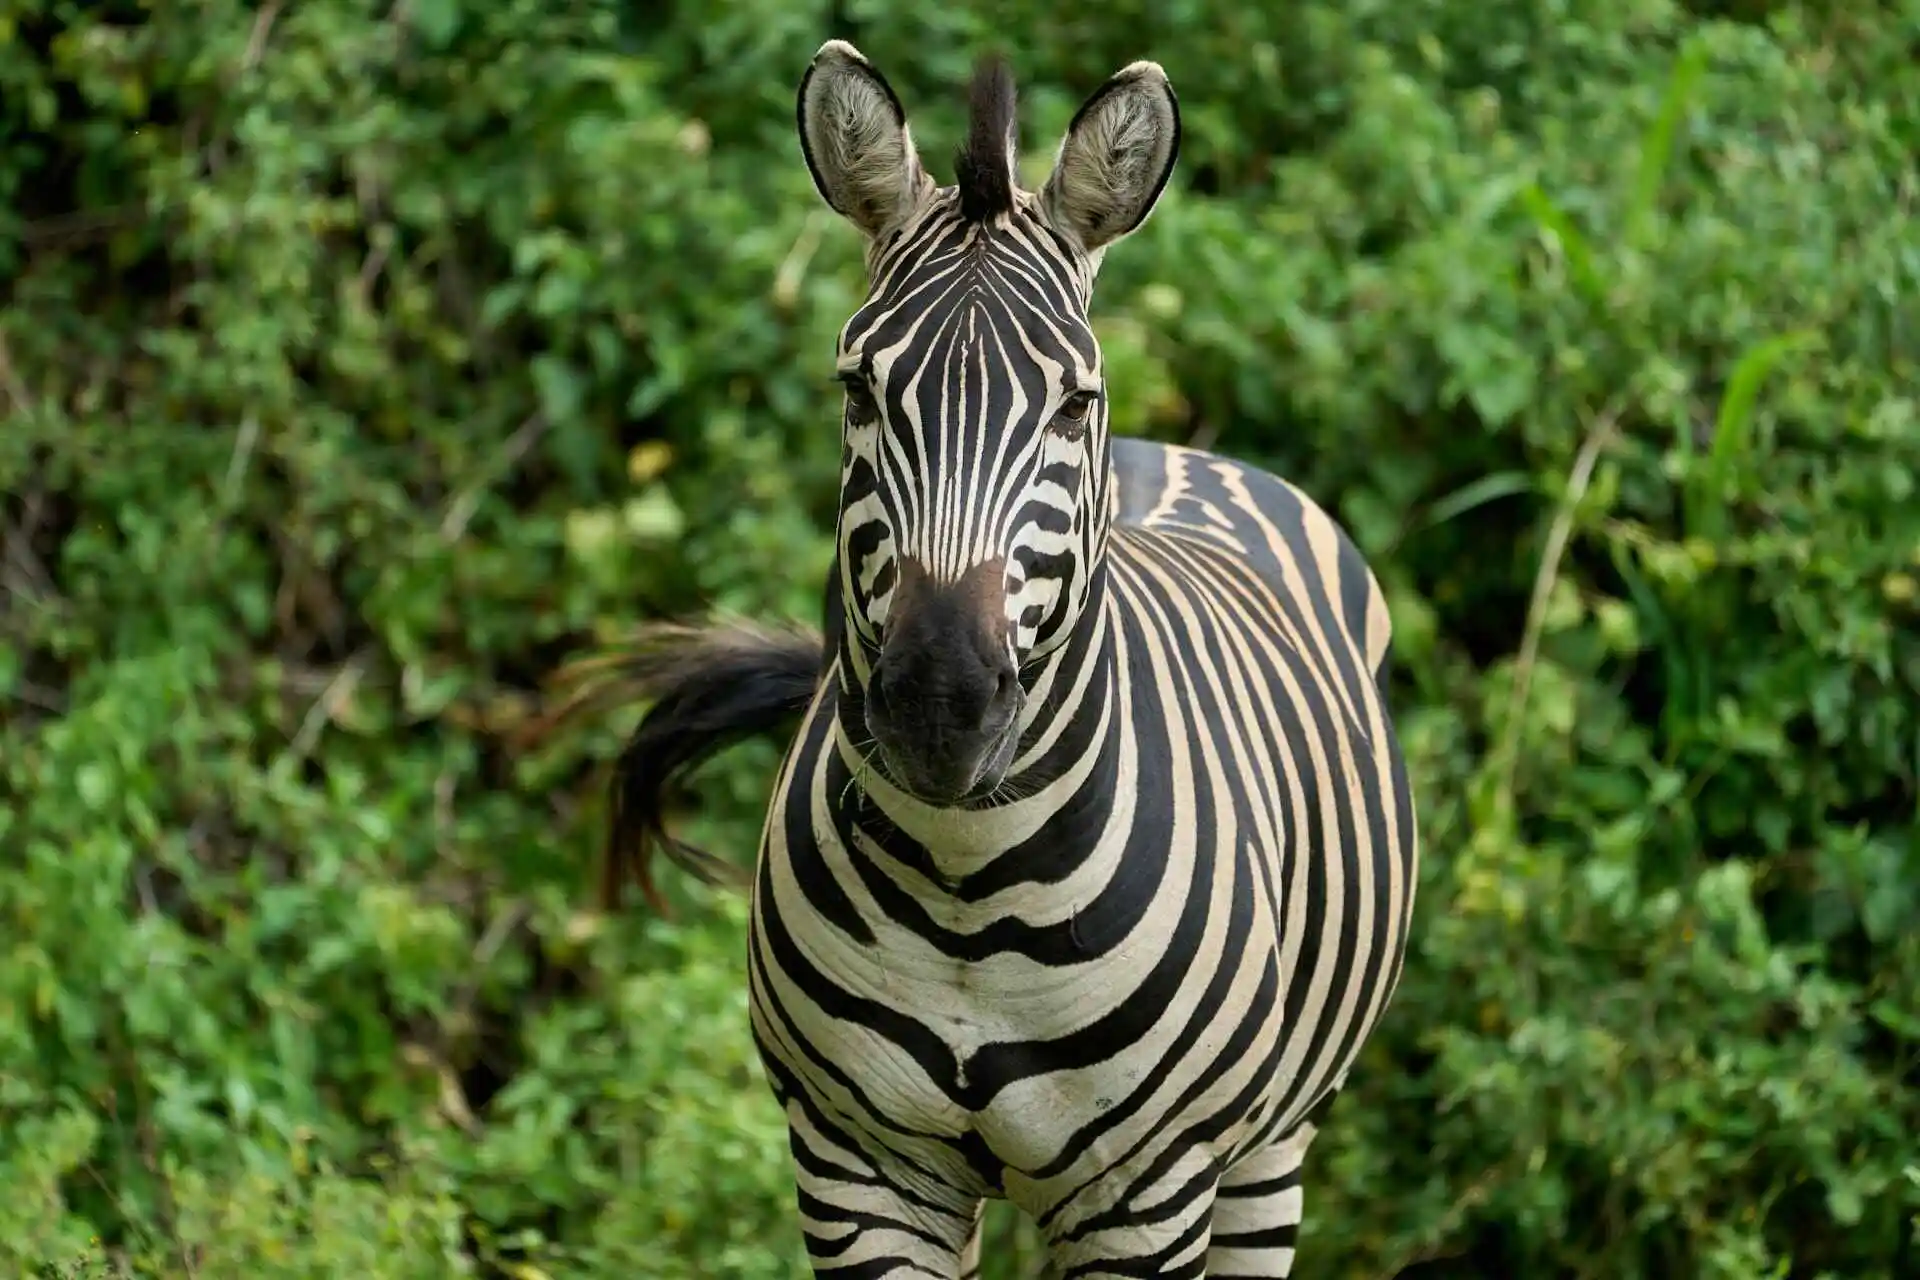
358, 368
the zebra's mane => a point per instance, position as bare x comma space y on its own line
984, 166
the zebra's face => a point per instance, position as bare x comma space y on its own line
974, 486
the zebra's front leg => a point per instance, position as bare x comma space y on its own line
1256, 1214
857, 1221
1133, 1221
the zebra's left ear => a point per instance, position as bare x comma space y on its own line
854, 133
1115, 159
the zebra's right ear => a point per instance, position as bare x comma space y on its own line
853, 132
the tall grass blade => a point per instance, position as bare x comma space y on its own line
1706, 494
1656, 149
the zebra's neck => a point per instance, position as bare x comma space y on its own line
1042, 822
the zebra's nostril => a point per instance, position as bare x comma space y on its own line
1004, 689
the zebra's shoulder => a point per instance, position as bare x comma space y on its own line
1286, 538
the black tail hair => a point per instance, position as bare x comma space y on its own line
712, 686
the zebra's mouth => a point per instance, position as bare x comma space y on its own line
936, 764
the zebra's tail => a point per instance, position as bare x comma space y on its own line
711, 686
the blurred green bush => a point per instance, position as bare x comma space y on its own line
358, 368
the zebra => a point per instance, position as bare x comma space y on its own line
1090, 864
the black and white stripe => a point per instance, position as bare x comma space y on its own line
1090, 867
967, 324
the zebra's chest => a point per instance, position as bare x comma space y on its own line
1038, 1038
1001, 1054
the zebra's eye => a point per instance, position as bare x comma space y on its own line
862, 408
1071, 419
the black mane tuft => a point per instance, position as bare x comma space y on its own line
984, 167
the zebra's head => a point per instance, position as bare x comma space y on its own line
975, 486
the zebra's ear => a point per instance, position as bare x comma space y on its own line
1115, 159
853, 132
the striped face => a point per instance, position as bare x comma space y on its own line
975, 425
975, 477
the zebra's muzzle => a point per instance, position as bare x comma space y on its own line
943, 700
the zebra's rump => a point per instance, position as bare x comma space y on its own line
1265, 525
1265, 682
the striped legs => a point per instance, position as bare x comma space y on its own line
1241, 1227
859, 1225
1256, 1215
1135, 1222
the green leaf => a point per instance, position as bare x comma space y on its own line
561, 388
436, 21
1478, 493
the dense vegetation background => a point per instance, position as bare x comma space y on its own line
360, 367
